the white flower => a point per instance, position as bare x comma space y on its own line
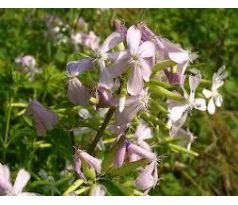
213, 94
6, 187
178, 111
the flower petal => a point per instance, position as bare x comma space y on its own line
111, 41
92, 161
207, 93
44, 119
135, 83
74, 68
120, 156
143, 131
176, 112
119, 66
133, 39
211, 108
5, 184
141, 152
146, 50
179, 56
22, 178
194, 81
200, 104
77, 93
218, 100
146, 70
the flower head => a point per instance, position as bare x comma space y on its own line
215, 98
140, 57
44, 118
178, 111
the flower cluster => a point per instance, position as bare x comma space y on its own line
144, 82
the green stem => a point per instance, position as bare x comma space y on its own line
101, 130
7, 129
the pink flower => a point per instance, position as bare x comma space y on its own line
148, 177
44, 118
89, 40
132, 152
6, 188
91, 161
175, 78
105, 97
26, 61
140, 57
77, 93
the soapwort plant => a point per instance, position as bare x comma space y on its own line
143, 94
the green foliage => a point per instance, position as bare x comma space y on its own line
209, 169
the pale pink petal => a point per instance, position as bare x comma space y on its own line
92, 161
111, 41
143, 131
179, 57
120, 156
194, 81
148, 177
147, 50
135, 83
74, 68
77, 167
146, 70
141, 152
77, 93
21, 181
106, 79
44, 118
119, 66
133, 39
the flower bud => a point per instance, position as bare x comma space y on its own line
144, 153
44, 118
88, 163
148, 177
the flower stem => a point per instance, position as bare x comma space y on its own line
101, 130
8, 117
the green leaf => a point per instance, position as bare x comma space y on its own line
163, 64
160, 91
128, 167
115, 188
74, 186
61, 141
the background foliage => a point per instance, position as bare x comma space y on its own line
211, 32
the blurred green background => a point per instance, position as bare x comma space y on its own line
211, 32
